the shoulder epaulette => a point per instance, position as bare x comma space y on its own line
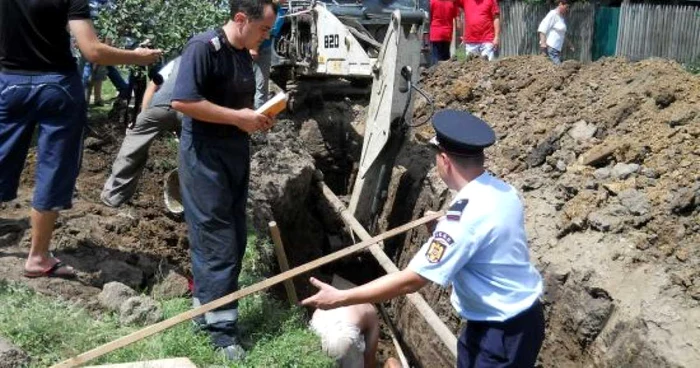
454, 213
216, 43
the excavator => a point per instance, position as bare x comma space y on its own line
320, 40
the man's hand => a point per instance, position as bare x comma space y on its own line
251, 122
254, 54
327, 296
496, 42
147, 56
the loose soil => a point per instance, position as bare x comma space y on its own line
607, 157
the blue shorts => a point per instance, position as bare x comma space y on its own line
56, 104
512, 343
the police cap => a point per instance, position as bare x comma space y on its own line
461, 133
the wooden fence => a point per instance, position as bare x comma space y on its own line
519, 22
669, 31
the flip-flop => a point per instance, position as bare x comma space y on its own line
53, 271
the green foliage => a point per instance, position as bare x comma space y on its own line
693, 67
168, 24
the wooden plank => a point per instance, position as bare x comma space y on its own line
282, 261
433, 320
161, 363
170, 322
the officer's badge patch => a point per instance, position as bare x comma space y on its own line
443, 236
454, 213
435, 251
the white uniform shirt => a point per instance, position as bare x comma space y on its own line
554, 29
480, 247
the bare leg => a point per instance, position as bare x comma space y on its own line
369, 325
39, 258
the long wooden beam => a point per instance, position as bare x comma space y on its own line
438, 326
160, 326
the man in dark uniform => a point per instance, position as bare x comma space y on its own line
215, 90
39, 85
480, 248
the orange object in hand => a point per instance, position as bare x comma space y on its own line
274, 105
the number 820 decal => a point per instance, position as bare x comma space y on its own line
331, 41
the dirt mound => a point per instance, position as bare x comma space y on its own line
140, 242
619, 141
607, 155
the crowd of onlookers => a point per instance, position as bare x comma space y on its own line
481, 29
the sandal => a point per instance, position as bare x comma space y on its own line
59, 269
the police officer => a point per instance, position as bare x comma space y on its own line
479, 247
215, 89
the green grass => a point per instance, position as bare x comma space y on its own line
51, 330
460, 53
100, 113
694, 67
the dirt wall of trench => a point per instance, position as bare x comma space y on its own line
608, 161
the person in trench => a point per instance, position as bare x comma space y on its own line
479, 247
215, 90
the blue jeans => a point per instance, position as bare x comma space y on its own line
214, 173
56, 103
112, 73
554, 55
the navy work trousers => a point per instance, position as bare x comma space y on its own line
214, 173
513, 343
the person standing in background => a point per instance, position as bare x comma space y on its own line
482, 27
442, 16
552, 32
157, 116
262, 58
40, 86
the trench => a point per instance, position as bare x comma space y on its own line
330, 131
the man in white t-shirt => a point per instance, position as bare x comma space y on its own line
157, 116
552, 32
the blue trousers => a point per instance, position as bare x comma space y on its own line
513, 343
214, 173
554, 55
261, 67
440, 51
55, 103
112, 73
